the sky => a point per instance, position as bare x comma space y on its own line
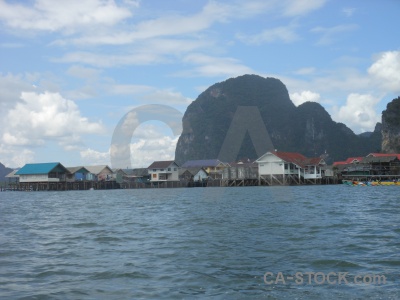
70, 72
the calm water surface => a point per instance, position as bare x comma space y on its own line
199, 243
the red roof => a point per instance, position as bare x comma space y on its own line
384, 155
297, 158
350, 160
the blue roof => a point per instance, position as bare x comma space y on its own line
202, 163
43, 168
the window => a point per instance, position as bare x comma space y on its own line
169, 169
154, 175
162, 170
174, 169
154, 170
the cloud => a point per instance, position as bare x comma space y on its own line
284, 34
70, 17
114, 60
148, 144
93, 157
330, 34
128, 89
167, 96
214, 66
173, 24
46, 116
81, 72
301, 7
11, 45
359, 112
305, 71
304, 96
14, 158
386, 70
11, 86
145, 52
186, 26
348, 11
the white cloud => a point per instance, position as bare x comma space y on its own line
11, 45
168, 96
214, 66
93, 157
301, 7
46, 116
81, 72
285, 34
71, 16
145, 52
304, 96
305, 71
129, 89
113, 60
359, 112
386, 70
11, 86
14, 158
148, 144
144, 153
348, 11
330, 34
174, 24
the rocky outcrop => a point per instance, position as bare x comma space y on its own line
391, 127
307, 129
3, 172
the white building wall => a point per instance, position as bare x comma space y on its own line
201, 174
173, 173
270, 164
37, 178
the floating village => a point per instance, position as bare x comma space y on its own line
272, 168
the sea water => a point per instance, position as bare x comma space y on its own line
195, 243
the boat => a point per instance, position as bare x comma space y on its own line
371, 183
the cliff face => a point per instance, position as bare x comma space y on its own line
3, 172
391, 127
307, 129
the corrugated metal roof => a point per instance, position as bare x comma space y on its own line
379, 159
97, 169
384, 155
161, 164
192, 171
203, 163
42, 168
138, 172
81, 169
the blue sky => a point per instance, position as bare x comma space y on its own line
69, 73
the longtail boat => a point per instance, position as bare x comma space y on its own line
370, 183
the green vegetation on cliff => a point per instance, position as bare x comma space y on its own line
391, 127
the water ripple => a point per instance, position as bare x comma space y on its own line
197, 243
